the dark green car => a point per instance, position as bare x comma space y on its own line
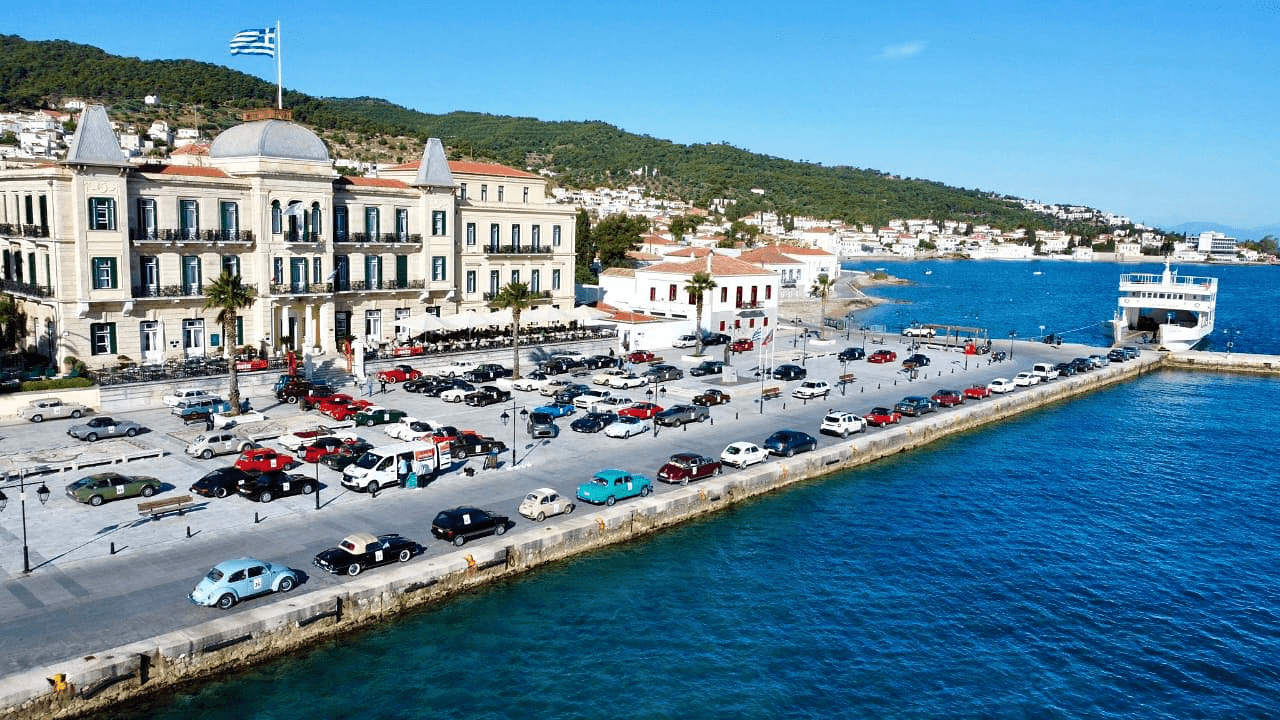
377, 416
97, 489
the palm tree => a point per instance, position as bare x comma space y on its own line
228, 296
517, 298
822, 287
698, 286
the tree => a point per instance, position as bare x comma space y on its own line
682, 224
583, 247
517, 298
228, 296
13, 324
822, 287
617, 235
698, 286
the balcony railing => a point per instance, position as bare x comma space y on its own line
15, 230
387, 238
534, 295
745, 305
517, 249
168, 235
303, 237
170, 291
18, 287
301, 288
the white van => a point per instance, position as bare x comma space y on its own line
380, 467
1044, 371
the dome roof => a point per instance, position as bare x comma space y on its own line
271, 139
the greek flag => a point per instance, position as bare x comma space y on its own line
755, 336
254, 42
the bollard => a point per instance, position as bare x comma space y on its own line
113, 548
864, 389
188, 531
685, 426
256, 519
735, 414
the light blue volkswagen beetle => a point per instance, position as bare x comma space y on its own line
231, 581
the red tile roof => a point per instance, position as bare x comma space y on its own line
690, 252
370, 182
798, 250
192, 149
768, 255
189, 170
642, 256
619, 272
625, 315
720, 265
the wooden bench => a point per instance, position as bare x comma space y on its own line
156, 508
656, 359
770, 393
847, 378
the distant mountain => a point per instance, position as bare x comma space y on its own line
1256, 233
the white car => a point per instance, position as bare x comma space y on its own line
626, 426
457, 368
624, 382
741, 454
604, 376
410, 428
224, 421
842, 423
685, 341
542, 503
550, 387
527, 384
206, 445
810, 389
455, 395
1025, 379
586, 399
610, 404
1001, 385
182, 394
918, 332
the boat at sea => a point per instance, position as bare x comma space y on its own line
1172, 311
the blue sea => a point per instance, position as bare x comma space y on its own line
1116, 556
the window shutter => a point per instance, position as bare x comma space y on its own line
239, 330
402, 271
115, 277
111, 331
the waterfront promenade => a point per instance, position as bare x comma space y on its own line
51, 617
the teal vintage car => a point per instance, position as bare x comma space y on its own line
378, 416
97, 489
610, 486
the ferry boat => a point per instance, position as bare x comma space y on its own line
1174, 312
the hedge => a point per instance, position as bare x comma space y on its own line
56, 384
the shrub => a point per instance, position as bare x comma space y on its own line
56, 384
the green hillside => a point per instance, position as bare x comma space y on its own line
582, 154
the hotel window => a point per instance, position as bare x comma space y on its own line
502, 193
671, 293
189, 218
231, 265
493, 282
724, 294
277, 270
535, 236
371, 222
438, 268
438, 225
193, 334
515, 236
316, 268
102, 336
229, 220
653, 294
555, 279
484, 193
402, 271
402, 314
471, 281
341, 272
373, 323
471, 233
148, 226
768, 292
515, 276
555, 235
495, 232
104, 274
373, 271
277, 218
191, 275
526, 196
402, 224
340, 223
535, 280
315, 221
102, 213
462, 192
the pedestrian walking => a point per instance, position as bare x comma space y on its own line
208, 422
383, 382
368, 387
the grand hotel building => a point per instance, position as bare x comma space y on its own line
106, 258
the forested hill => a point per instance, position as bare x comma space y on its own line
583, 154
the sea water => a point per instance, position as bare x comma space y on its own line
1114, 556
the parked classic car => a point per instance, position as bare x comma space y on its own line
323, 447
715, 339
707, 367
51, 409
624, 382
264, 460
881, 416
851, 354
711, 396
457, 368
948, 398
295, 441
685, 341
742, 454
556, 410
609, 486
104, 427
810, 389
977, 392
640, 356
346, 455
458, 393
468, 443
467, 523
641, 410
220, 483
1001, 385
611, 404
918, 360
487, 395
231, 581
359, 551
584, 401
377, 416
685, 466
571, 391
267, 486
880, 357
542, 503
98, 488
487, 372
789, 372
915, 405
542, 425
177, 396
677, 415
663, 373
626, 426
844, 424
790, 442
919, 332
604, 376
742, 345
217, 443
592, 422
398, 374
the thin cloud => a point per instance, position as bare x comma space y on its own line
902, 51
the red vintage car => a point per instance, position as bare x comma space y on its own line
882, 356
342, 406
948, 398
977, 392
742, 345
640, 356
642, 410
683, 467
264, 460
881, 416
322, 447
398, 374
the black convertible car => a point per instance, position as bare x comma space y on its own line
358, 551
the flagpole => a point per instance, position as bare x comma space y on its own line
279, 82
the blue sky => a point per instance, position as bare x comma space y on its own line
1165, 111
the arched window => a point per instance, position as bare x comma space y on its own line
315, 221
277, 218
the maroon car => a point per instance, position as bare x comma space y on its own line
640, 356
683, 467
882, 356
948, 398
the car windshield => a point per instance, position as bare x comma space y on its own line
214, 575
532, 497
597, 480
733, 450
833, 419
198, 439
367, 461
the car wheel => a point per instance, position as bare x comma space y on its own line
226, 601
404, 555
292, 399
91, 437
37, 418
286, 584
790, 452
308, 488
684, 480
611, 500
96, 500
76, 414
460, 453
131, 432
500, 529
220, 492
542, 516
644, 491
353, 569
459, 540
368, 423
148, 491
720, 470
206, 455
265, 497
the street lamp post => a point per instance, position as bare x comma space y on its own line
515, 427
844, 373
1012, 334
43, 494
804, 350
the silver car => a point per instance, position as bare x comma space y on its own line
217, 443
105, 427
